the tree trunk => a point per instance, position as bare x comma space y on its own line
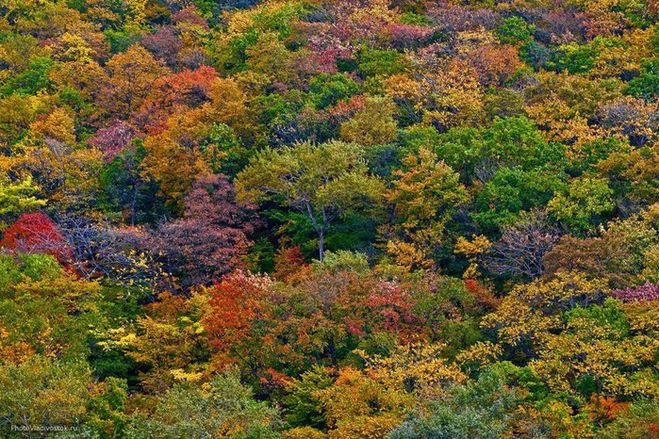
321, 245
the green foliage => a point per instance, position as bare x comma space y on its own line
125, 190
484, 408
222, 407
575, 58
511, 191
32, 80
324, 182
326, 90
536, 54
302, 405
343, 260
517, 141
223, 151
646, 85
44, 309
515, 30
373, 62
372, 125
585, 202
120, 40
43, 392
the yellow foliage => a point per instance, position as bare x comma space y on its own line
480, 354
416, 367
372, 125
172, 166
407, 255
303, 433
59, 124
531, 310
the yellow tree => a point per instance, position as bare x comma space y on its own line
132, 74
425, 196
372, 125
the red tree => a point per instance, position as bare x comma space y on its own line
174, 93
113, 139
36, 233
211, 238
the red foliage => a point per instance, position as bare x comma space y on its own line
36, 233
235, 303
644, 293
211, 238
173, 93
603, 408
481, 293
113, 139
289, 264
271, 380
392, 308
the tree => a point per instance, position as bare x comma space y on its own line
323, 182
533, 309
522, 246
117, 254
171, 165
36, 233
515, 30
425, 196
43, 392
327, 89
113, 139
212, 236
174, 93
485, 408
303, 407
164, 44
372, 125
624, 254
510, 192
168, 343
647, 292
586, 200
44, 309
18, 197
131, 76
221, 408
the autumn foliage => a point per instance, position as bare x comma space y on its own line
329, 219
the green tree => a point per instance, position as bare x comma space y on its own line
386, 62
327, 89
484, 408
323, 182
18, 197
221, 408
584, 203
515, 30
43, 392
511, 191
303, 406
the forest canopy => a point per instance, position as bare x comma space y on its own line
307, 219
